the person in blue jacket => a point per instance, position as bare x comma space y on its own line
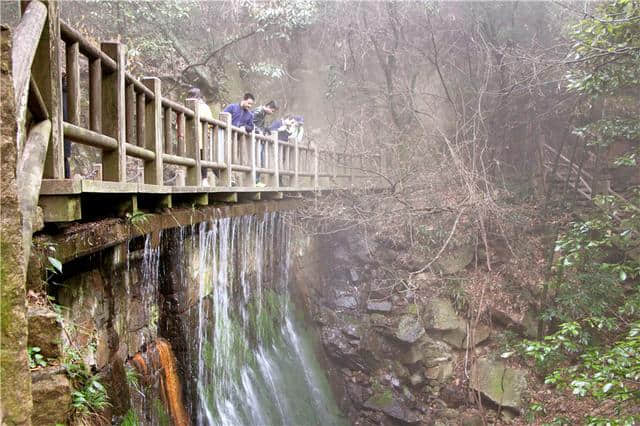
241, 115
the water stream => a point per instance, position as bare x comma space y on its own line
249, 357
255, 366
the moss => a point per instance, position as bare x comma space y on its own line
412, 309
161, 413
383, 398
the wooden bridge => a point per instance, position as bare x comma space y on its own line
129, 119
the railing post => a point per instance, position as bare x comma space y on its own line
253, 158
130, 110
296, 162
153, 133
46, 73
276, 162
73, 82
168, 142
192, 144
95, 95
141, 102
226, 173
315, 167
180, 131
113, 114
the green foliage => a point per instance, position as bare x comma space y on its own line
89, 397
283, 15
35, 357
534, 410
130, 419
595, 347
137, 217
606, 59
605, 373
607, 50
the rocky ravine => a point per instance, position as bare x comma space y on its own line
399, 353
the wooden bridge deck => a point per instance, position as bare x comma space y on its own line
65, 200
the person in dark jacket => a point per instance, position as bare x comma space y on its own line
241, 115
260, 115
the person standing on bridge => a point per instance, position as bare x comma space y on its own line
241, 115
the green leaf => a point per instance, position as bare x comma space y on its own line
623, 275
57, 265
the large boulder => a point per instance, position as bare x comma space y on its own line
45, 331
501, 384
455, 260
409, 329
441, 318
51, 392
389, 404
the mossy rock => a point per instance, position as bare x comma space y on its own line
503, 385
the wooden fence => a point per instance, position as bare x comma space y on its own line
129, 117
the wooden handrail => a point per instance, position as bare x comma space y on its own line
130, 117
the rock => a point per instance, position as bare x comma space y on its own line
384, 306
45, 331
501, 384
458, 337
412, 355
339, 348
51, 391
528, 327
356, 393
473, 418
449, 326
416, 379
409, 329
440, 372
456, 260
346, 302
326, 316
392, 407
453, 396
440, 315
435, 352
353, 329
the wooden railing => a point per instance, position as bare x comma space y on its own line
131, 118
108, 108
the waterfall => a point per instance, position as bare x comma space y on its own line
253, 367
218, 294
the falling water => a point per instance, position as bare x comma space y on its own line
254, 366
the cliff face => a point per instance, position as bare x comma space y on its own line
15, 383
398, 352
